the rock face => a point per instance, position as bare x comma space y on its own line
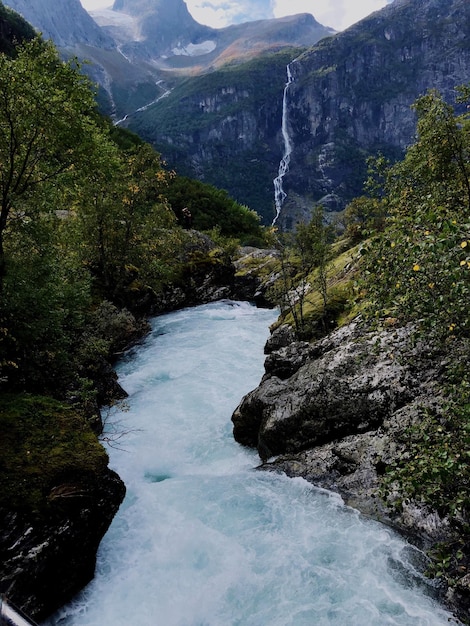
351, 96
47, 559
140, 48
337, 411
65, 22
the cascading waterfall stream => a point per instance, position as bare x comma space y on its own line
279, 193
202, 539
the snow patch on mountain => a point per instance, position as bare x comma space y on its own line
195, 49
128, 25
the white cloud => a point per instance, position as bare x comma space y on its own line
93, 5
338, 14
219, 13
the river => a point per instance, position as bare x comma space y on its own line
203, 539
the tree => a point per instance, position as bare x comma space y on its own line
419, 268
304, 258
46, 121
120, 220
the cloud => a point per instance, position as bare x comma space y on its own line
219, 13
339, 14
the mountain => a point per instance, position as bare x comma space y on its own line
65, 22
165, 32
350, 96
139, 49
224, 128
13, 29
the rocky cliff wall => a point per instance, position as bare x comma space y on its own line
351, 97
352, 93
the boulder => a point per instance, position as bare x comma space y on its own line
345, 384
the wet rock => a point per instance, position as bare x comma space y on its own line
48, 556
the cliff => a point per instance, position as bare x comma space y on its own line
58, 497
351, 97
65, 22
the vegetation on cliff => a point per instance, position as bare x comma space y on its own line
236, 113
85, 217
418, 270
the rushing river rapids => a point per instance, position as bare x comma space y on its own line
204, 540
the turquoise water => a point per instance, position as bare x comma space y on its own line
202, 539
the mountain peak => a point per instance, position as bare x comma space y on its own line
65, 22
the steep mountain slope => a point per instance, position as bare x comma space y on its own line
165, 32
122, 86
350, 97
140, 48
224, 128
13, 29
65, 22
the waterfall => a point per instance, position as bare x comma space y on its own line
279, 193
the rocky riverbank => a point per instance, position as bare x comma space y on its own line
338, 412
57, 494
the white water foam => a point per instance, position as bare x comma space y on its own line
202, 539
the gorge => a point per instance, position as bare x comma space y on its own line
342, 401
202, 538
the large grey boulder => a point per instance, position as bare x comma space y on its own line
345, 384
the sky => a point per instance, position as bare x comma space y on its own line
339, 14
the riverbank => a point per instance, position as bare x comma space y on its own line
340, 412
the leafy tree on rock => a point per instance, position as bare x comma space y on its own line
419, 268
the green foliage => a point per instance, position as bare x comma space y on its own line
418, 269
122, 221
43, 444
46, 110
363, 217
436, 470
213, 208
42, 309
83, 216
304, 261
13, 30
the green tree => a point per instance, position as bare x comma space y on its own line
46, 120
120, 219
304, 260
211, 208
418, 270
419, 267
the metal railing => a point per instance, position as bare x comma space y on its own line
11, 616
